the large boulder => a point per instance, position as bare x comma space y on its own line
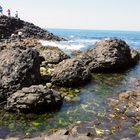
70, 72
34, 99
10, 25
19, 67
111, 55
52, 55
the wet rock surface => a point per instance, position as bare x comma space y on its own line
19, 67
35, 99
52, 55
70, 72
120, 122
11, 25
110, 55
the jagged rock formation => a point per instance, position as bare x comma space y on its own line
70, 73
109, 55
52, 55
34, 99
19, 67
11, 25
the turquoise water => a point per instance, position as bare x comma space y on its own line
90, 102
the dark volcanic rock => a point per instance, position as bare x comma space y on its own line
34, 99
52, 55
19, 67
70, 72
111, 55
11, 25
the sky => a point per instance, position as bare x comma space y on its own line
78, 14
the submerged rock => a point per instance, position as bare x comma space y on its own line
52, 55
110, 55
19, 67
70, 73
34, 99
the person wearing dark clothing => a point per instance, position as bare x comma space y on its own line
1, 10
16, 15
9, 13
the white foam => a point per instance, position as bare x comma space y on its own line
69, 46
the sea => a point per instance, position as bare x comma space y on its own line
85, 39
83, 103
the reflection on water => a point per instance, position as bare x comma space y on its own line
88, 104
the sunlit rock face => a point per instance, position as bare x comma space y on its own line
110, 55
19, 67
71, 73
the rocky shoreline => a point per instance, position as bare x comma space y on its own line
31, 77
121, 122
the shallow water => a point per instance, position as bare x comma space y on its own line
78, 107
87, 105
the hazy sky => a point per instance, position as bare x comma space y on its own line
85, 14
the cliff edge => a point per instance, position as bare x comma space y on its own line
10, 25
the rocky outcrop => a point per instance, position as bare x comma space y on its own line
70, 72
11, 25
110, 55
34, 99
19, 67
52, 55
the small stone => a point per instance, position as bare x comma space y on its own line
122, 109
62, 132
138, 103
113, 102
49, 85
130, 113
128, 133
124, 95
127, 124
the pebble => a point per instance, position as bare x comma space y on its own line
130, 113
124, 95
122, 109
113, 102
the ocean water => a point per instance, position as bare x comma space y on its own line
91, 102
85, 39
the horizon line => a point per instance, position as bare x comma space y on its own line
119, 30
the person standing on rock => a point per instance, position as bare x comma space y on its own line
20, 35
16, 15
9, 13
1, 10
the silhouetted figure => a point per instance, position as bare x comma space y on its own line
9, 13
1, 10
16, 15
